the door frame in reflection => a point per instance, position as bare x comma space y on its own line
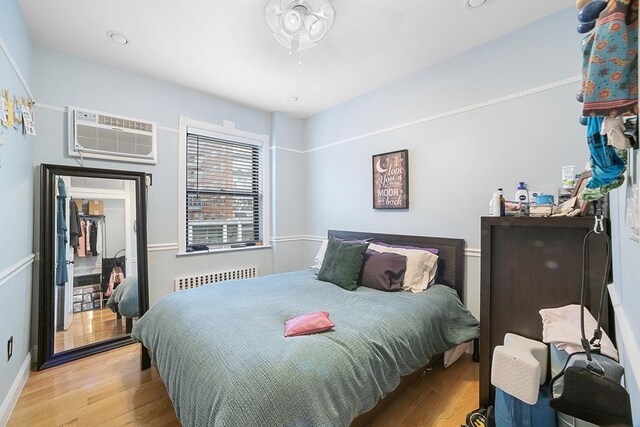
46, 357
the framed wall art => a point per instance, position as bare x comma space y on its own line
391, 180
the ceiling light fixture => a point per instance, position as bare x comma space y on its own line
118, 38
292, 98
472, 4
299, 24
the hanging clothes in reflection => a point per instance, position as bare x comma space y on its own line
81, 250
93, 238
61, 234
90, 239
74, 225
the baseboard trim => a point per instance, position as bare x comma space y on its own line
10, 272
11, 399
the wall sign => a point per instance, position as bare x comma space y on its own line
391, 180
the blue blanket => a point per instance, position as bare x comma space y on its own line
124, 298
222, 354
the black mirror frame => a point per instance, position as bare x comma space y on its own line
46, 357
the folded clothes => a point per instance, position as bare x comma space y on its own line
561, 326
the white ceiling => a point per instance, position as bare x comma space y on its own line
225, 47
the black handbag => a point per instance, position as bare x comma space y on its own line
589, 386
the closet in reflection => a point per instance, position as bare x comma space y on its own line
93, 282
98, 251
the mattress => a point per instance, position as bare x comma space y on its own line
222, 354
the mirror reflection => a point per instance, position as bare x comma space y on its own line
95, 294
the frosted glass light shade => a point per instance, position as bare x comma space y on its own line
291, 22
316, 27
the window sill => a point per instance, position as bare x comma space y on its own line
223, 250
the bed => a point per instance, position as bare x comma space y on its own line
124, 301
221, 352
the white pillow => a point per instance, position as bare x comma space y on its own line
317, 261
421, 266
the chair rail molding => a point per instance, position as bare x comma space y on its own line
16, 268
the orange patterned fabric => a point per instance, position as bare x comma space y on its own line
610, 66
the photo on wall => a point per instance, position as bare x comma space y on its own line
391, 180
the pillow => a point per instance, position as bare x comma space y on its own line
342, 263
308, 324
439, 268
421, 266
383, 271
435, 251
317, 261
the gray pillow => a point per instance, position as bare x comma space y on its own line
342, 263
383, 271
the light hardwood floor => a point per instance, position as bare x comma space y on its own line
88, 327
110, 390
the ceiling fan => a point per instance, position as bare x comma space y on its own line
299, 24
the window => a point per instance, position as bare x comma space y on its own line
223, 198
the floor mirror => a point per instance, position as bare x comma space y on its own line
93, 261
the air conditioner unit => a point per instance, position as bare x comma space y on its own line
112, 137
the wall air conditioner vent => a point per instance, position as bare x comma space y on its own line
111, 137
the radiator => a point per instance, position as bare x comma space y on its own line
190, 282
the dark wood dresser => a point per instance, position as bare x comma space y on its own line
528, 264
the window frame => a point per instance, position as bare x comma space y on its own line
230, 133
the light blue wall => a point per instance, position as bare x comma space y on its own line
61, 80
456, 162
16, 189
289, 219
626, 279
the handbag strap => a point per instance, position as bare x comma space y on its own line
598, 231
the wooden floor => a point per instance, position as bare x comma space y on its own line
89, 327
110, 390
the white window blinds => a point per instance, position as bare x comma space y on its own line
224, 192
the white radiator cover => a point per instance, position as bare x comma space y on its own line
190, 282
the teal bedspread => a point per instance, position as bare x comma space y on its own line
222, 354
124, 298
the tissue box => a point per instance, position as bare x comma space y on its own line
540, 210
95, 207
78, 203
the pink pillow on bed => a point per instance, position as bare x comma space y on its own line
308, 324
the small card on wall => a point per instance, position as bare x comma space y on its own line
391, 180
27, 119
4, 109
9, 106
3, 112
17, 114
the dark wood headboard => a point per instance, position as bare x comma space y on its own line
451, 252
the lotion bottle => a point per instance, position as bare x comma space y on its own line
522, 195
